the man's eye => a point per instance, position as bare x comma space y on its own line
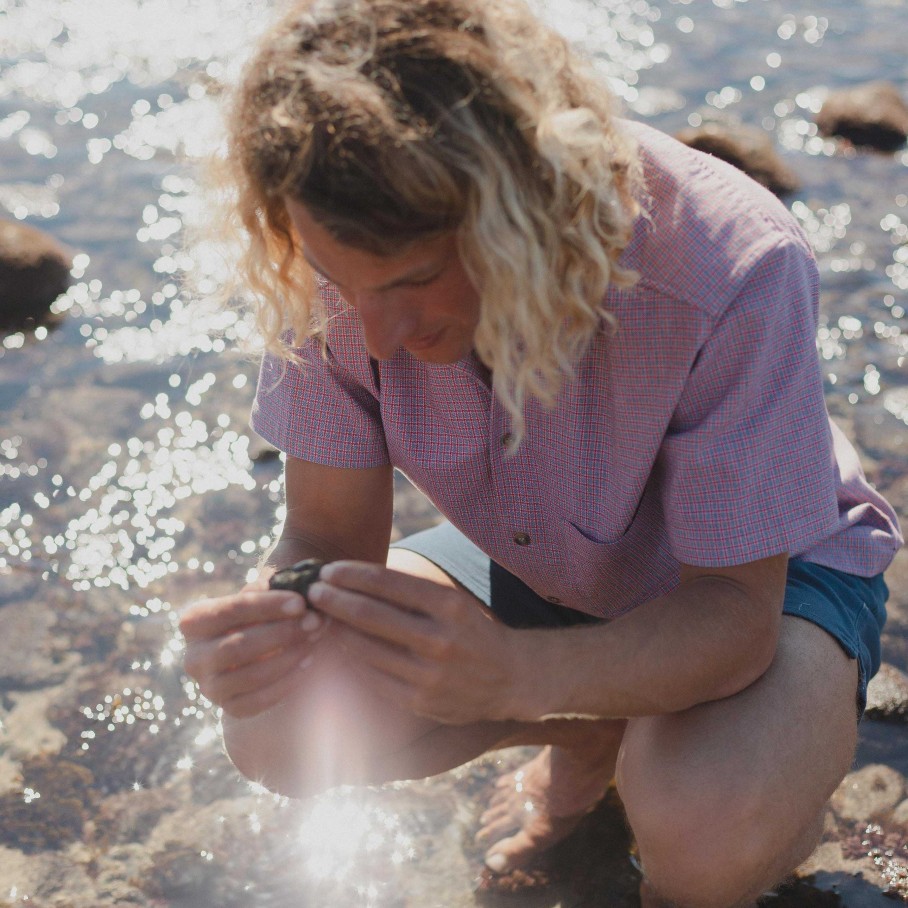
424, 282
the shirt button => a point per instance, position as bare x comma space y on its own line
522, 538
553, 599
506, 439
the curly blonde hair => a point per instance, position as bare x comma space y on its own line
393, 121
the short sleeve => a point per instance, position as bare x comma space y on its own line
318, 410
746, 466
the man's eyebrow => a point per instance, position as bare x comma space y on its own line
420, 272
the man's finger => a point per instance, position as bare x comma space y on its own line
374, 616
252, 643
246, 679
385, 657
214, 617
415, 593
258, 701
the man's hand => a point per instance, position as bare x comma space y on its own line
429, 648
246, 651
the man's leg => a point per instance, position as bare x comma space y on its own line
724, 799
542, 802
334, 730
727, 798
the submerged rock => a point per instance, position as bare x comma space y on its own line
748, 148
872, 114
34, 271
50, 810
900, 816
180, 872
887, 695
869, 793
28, 659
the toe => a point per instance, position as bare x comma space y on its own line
508, 782
496, 827
515, 851
494, 814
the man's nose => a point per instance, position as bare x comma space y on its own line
385, 326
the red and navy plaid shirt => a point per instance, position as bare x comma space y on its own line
697, 433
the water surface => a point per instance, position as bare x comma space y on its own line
130, 483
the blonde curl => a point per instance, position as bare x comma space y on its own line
397, 120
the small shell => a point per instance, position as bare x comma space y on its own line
297, 577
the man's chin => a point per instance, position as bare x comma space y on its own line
437, 358
441, 354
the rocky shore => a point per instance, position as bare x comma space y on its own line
129, 482
114, 791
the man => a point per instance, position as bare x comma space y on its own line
593, 349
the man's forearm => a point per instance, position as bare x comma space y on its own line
703, 641
295, 545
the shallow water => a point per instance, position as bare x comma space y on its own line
130, 484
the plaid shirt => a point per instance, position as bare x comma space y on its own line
697, 433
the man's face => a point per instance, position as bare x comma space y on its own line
421, 300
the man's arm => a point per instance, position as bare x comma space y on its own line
435, 653
247, 650
709, 638
334, 513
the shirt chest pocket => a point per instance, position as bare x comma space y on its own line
611, 576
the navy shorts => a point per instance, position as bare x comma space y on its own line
850, 608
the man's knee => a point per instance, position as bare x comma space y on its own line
417, 565
705, 841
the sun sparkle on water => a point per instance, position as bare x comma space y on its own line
341, 827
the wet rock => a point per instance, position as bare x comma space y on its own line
18, 586
110, 725
117, 870
34, 271
181, 872
10, 772
888, 851
50, 809
27, 659
873, 114
43, 881
869, 793
17, 869
900, 816
748, 148
29, 731
130, 816
801, 894
887, 695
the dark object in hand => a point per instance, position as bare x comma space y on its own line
298, 577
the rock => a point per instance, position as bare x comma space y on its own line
887, 695
30, 733
117, 870
18, 586
27, 659
872, 114
869, 793
51, 808
900, 816
181, 872
34, 271
748, 148
10, 770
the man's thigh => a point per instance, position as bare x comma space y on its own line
748, 775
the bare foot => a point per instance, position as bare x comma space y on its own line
541, 803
